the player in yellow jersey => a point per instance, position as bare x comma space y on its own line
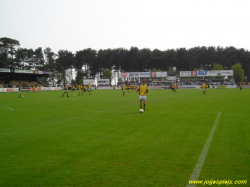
204, 88
80, 89
128, 88
73, 88
131, 87
135, 87
84, 88
34, 88
143, 90
123, 89
173, 87
89, 89
66, 90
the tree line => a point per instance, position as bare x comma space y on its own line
88, 62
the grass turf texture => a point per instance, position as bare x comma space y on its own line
102, 140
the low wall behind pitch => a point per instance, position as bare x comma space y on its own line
29, 89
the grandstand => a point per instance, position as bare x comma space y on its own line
13, 78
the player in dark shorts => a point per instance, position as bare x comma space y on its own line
20, 91
84, 88
241, 87
173, 87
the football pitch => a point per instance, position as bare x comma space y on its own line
101, 139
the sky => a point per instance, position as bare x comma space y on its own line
75, 25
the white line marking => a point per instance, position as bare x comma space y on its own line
8, 108
197, 169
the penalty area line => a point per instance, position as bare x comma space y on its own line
197, 169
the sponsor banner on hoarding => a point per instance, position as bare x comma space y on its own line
87, 81
134, 74
161, 74
172, 78
123, 75
39, 72
47, 72
221, 86
185, 74
188, 87
25, 88
23, 71
32, 71
10, 89
153, 74
215, 73
194, 73
4, 70
102, 81
154, 87
46, 88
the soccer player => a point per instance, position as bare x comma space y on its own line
128, 88
89, 89
240, 87
66, 90
84, 88
135, 87
173, 87
143, 90
123, 88
80, 89
20, 92
34, 88
73, 88
131, 87
204, 88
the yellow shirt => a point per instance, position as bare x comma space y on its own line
204, 85
89, 86
79, 87
173, 86
84, 87
123, 87
134, 86
143, 90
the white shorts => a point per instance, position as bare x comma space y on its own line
204, 89
143, 97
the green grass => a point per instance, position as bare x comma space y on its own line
103, 140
